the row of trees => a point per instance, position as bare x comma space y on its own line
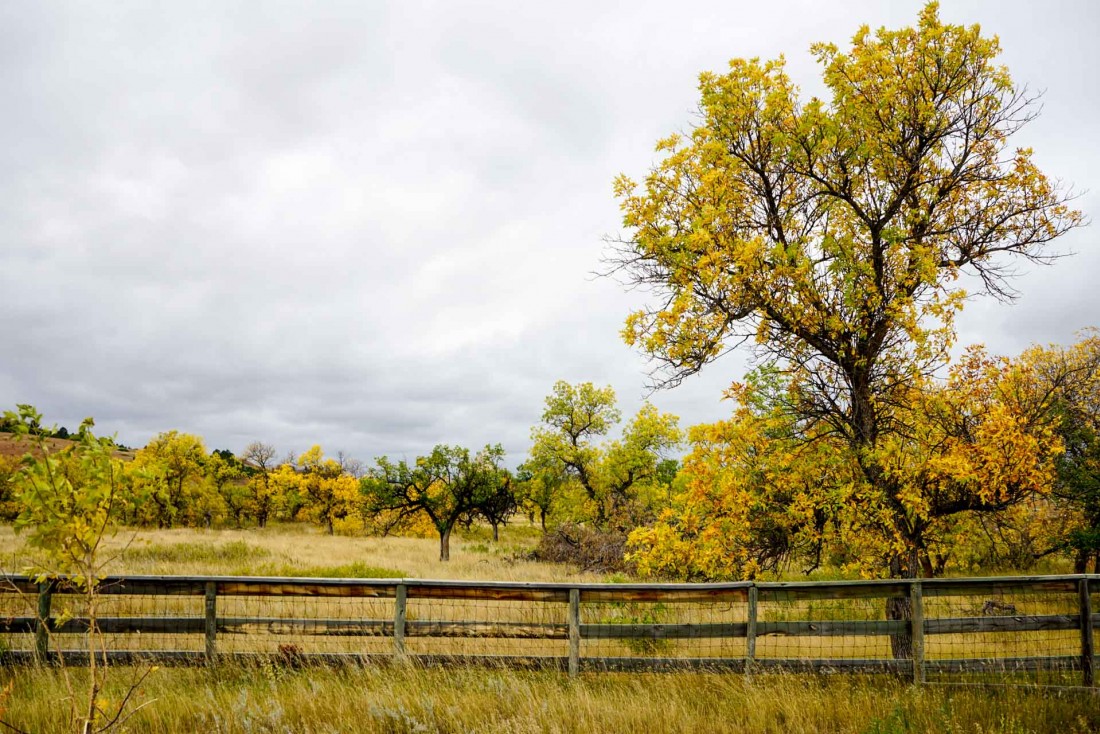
1000, 465
574, 473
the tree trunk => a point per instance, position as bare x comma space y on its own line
329, 526
899, 608
496, 532
445, 544
1081, 561
542, 521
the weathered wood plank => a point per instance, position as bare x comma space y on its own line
210, 608
995, 587
622, 593
1088, 650
574, 632
793, 591
1003, 665
10, 584
125, 625
305, 627
873, 665
503, 630
1016, 623
309, 588
400, 619
148, 586
734, 665
43, 621
832, 628
835, 665
751, 630
662, 631
491, 593
916, 624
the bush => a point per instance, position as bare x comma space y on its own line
599, 551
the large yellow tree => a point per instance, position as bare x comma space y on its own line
168, 475
830, 234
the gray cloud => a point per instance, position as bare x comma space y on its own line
373, 226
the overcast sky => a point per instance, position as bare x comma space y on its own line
373, 225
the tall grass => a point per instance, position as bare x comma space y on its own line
394, 699
287, 547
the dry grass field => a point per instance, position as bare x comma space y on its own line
301, 550
233, 701
272, 698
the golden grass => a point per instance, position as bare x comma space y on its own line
254, 551
388, 699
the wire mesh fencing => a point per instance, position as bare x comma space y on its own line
1033, 630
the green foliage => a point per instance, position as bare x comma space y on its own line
69, 499
1078, 483
567, 453
447, 485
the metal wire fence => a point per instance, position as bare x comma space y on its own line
1034, 630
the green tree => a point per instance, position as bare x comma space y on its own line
537, 491
71, 501
448, 485
497, 507
568, 445
831, 233
1072, 376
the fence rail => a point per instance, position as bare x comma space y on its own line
1035, 629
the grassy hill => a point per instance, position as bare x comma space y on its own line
12, 445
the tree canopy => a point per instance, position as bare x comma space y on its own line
572, 444
447, 485
831, 233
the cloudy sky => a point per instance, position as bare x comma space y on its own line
373, 226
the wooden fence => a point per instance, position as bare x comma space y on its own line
1032, 629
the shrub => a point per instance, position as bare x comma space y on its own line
598, 551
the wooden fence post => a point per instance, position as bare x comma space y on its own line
574, 632
916, 629
42, 622
211, 598
399, 606
750, 631
1088, 650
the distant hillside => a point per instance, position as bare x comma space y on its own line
11, 446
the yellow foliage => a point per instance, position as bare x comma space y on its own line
763, 487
